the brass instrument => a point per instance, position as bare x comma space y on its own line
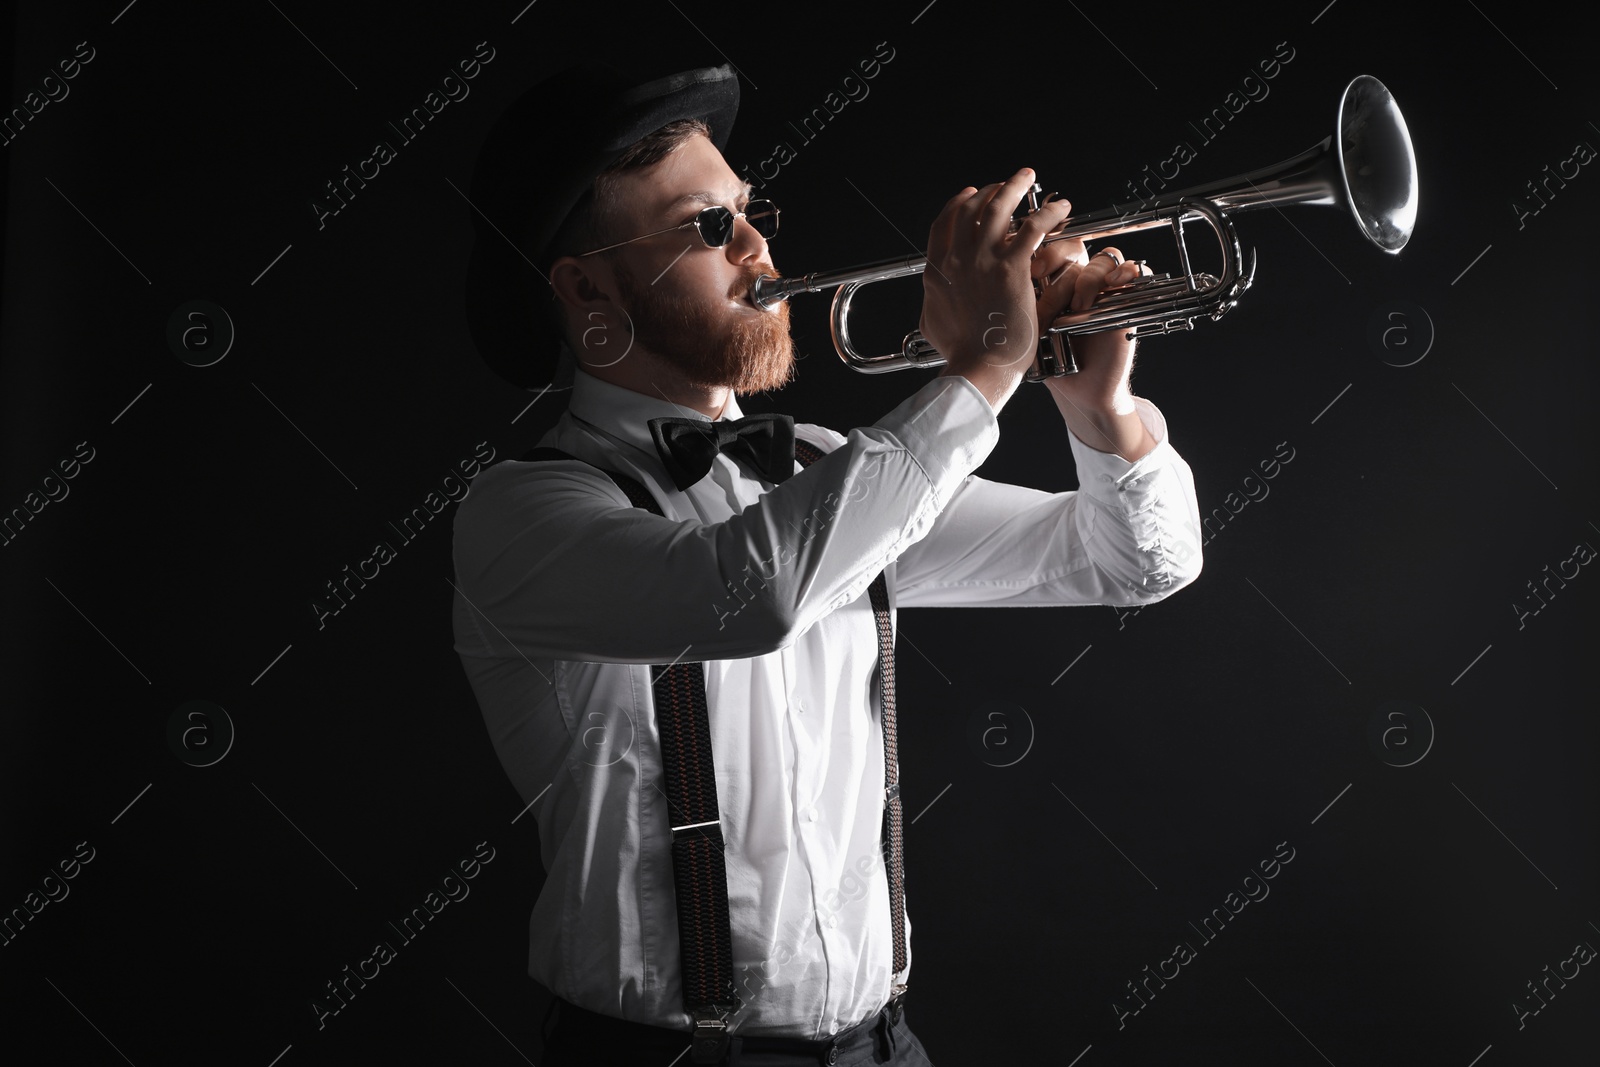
1367, 166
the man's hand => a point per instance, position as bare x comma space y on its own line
1072, 281
1097, 402
979, 309
978, 306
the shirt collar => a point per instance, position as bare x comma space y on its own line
625, 414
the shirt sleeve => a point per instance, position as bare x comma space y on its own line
554, 561
1128, 535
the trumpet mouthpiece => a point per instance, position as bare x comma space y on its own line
768, 292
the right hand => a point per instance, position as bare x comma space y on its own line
979, 308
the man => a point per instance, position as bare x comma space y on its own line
575, 605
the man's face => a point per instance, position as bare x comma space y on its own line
686, 302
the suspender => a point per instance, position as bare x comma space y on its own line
698, 867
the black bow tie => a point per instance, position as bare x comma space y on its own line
688, 446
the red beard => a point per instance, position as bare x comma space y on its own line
710, 346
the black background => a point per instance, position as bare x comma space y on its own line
1183, 746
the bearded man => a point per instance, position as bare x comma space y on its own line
678, 620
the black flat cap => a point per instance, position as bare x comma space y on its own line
539, 159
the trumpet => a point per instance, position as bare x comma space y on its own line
1366, 166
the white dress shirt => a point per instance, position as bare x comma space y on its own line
567, 593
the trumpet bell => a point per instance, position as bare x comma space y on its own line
1377, 165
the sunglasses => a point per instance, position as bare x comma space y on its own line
715, 225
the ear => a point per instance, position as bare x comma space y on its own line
585, 296
583, 285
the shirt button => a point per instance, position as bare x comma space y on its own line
809, 813
833, 1055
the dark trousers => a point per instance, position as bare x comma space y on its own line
583, 1037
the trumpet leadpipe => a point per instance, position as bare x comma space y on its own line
769, 292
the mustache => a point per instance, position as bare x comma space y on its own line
746, 281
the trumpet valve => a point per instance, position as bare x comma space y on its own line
1024, 210
1054, 358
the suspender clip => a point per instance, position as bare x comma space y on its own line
709, 1042
896, 1005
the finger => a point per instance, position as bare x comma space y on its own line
1028, 241
1055, 300
972, 209
939, 234
1122, 275
1072, 246
966, 229
1053, 256
1111, 255
1055, 251
1057, 292
1054, 306
1086, 287
1049, 261
1093, 277
998, 211
1126, 273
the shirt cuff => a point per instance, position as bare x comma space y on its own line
1109, 478
949, 428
